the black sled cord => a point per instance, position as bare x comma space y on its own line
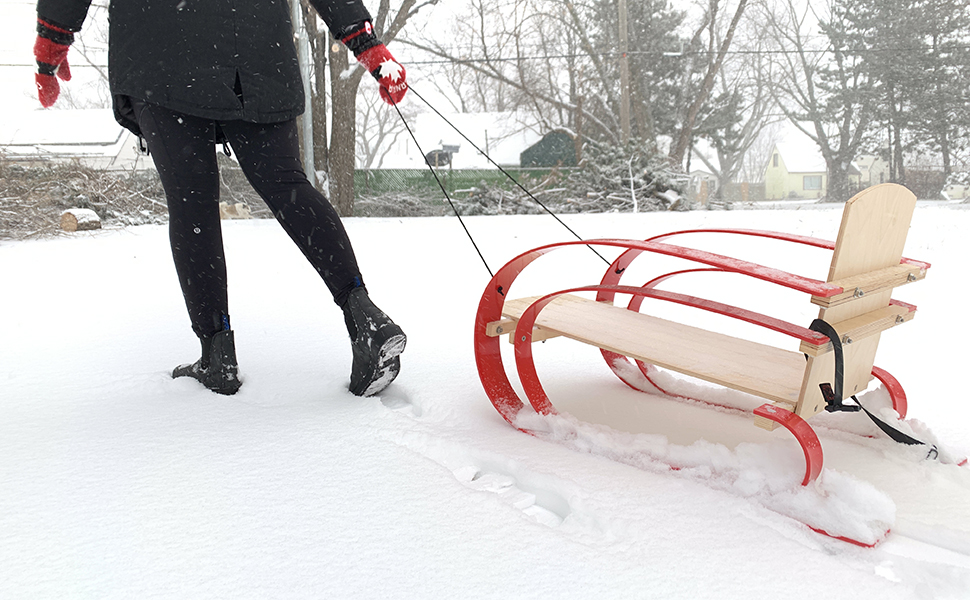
443, 190
498, 166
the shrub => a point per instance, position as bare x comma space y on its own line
32, 197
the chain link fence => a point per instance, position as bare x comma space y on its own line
418, 192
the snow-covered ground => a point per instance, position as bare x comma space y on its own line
118, 482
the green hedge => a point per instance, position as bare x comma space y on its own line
374, 182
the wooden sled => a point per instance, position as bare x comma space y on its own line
855, 299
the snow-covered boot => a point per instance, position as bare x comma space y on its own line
217, 369
377, 343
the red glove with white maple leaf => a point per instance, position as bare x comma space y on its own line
374, 57
50, 50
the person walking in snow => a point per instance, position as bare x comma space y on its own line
186, 75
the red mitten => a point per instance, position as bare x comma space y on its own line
389, 73
50, 50
374, 57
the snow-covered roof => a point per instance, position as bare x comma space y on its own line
82, 127
91, 135
800, 153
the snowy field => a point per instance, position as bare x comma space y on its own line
118, 482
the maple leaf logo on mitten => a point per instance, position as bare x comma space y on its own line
388, 72
390, 68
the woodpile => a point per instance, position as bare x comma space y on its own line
80, 219
234, 211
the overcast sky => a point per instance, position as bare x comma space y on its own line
17, 34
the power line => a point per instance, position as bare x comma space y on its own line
608, 54
667, 54
655, 53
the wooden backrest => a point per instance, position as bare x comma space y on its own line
873, 231
872, 235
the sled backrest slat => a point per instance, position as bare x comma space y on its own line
871, 239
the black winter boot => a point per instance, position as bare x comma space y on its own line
217, 369
377, 343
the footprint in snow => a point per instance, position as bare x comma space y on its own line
545, 506
396, 399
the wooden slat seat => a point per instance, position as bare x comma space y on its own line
765, 371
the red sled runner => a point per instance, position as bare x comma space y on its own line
835, 356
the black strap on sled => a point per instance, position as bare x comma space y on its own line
832, 393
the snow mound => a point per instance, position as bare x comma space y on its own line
770, 475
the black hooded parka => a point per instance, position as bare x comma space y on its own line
217, 59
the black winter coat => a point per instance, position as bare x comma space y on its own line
217, 59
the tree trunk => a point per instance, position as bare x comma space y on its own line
643, 112
318, 56
945, 151
897, 174
898, 153
344, 133
725, 175
837, 189
683, 140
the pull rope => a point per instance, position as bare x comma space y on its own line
444, 191
498, 166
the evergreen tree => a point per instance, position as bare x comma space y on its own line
877, 30
842, 113
656, 64
915, 53
621, 178
941, 98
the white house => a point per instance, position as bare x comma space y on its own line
502, 136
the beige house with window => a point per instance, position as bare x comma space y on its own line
796, 171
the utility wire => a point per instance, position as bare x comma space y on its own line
606, 54
668, 54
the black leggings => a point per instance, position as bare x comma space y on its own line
184, 151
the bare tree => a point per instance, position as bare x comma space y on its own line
717, 48
343, 81
91, 46
558, 59
319, 49
378, 128
759, 152
824, 92
532, 55
742, 110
